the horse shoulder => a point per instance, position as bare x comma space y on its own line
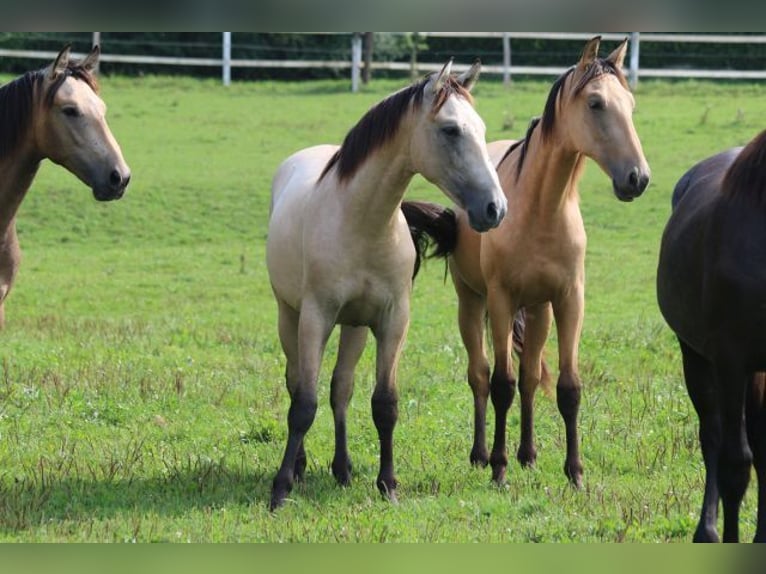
465, 260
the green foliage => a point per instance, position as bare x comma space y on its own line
141, 388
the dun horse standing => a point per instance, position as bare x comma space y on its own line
339, 250
53, 113
711, 288
535, 259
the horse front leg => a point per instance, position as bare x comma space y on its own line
537, 326
700, 384
390, 334
313, 329
350, 348
471, 312
569, 311
502, 384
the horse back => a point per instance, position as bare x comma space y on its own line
706, 174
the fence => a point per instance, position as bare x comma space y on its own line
355, 64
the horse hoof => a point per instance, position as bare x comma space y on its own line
527, 457
277, 499
574, 473
387, 489
479, 458
342, 473
705, 534
498, 475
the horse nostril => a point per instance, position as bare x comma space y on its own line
115, 179
643, 182
633, 178
492, 211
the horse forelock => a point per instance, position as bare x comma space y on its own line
450, 87
17, 101
746, 177
74, 70
381, 123
596, 69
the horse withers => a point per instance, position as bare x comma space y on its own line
53, 113
339, 250
711, 289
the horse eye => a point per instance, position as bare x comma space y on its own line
451, 131
596, 104
71, 112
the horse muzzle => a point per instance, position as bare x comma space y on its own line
633, 185
114, 188
488, 216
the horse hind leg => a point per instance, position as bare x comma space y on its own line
471, 313
537, 326
308, 332
351, 346
700, 384
390, 335
735, 458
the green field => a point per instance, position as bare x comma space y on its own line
141, 390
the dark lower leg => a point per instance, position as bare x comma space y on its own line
568, 393
502, 389
384, 415
299, 420
340, 394
480, 389
527, 453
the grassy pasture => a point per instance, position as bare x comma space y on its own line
141, 390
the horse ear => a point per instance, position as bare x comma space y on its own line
442, 77
90, 62
469, 78
589, 52
617, 57
60, 63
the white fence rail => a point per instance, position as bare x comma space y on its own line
354, 64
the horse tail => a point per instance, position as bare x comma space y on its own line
519, 325
429, 224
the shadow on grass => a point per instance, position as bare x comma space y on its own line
28, 504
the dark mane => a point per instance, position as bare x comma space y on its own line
16, 102
522, 144
598, 68
381, 123
747, 176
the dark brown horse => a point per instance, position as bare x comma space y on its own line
711, 287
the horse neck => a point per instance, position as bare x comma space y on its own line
18, 168
16, 174
373, 195
548, 181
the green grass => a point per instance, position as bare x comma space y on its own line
141, 390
